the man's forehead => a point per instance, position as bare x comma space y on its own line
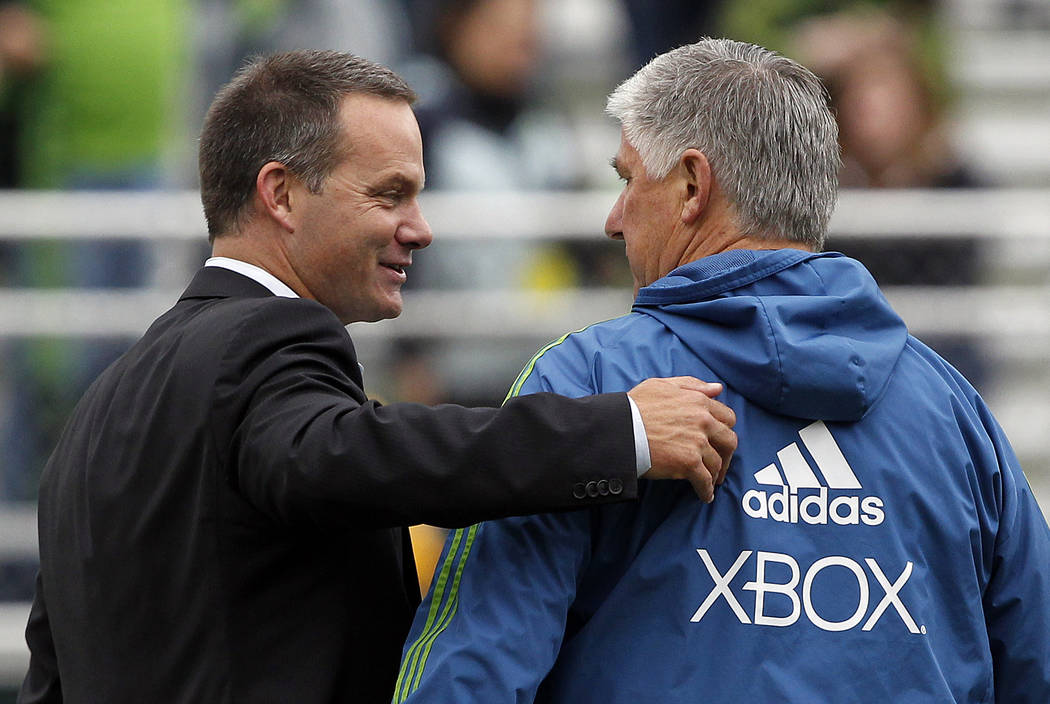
382, 136
356, 102
370, 121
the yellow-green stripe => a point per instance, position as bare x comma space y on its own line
413, 663
436, 597
450, 607
515, 388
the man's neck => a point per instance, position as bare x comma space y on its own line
255, 273
714, 237
252, 250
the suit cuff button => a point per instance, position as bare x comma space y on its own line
592, 489
615, 487
603, 487
579, 491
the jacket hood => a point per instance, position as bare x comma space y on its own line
797, 333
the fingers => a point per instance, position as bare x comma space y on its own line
712, 467
702, 484
710, 473
708, 388
721, 412
723, 442
711, 461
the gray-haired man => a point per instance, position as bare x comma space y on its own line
876, 540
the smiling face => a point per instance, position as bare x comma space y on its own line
352, 242
646, 218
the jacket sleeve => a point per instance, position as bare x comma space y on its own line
304, 445
491, 626
1017, 597
515, 580
41, 684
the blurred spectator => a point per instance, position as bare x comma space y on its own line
483, 126
22, 47
891, 118
891, 108
98, 114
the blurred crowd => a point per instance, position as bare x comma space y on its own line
109, 94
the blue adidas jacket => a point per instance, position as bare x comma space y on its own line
875, 540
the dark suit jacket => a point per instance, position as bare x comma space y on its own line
220, 521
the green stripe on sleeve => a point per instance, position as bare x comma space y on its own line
416, 657
515, 388
437, 596
451, 606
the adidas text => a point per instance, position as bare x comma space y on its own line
787, 506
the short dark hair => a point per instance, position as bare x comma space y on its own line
282, 107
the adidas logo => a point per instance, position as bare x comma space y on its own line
802, 496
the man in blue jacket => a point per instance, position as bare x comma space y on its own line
876, 540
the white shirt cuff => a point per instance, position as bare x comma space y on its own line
641, 440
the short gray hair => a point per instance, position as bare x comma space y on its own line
762, 121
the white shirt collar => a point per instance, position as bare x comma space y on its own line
275, 285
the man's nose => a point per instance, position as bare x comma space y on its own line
416, 233
614, 222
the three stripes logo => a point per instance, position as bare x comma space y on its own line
444, 603
800, 496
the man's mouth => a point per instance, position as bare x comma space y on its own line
399, 268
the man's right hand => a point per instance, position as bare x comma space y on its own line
690, 434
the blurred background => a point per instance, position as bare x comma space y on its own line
944, 111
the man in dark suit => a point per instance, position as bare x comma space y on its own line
221, 520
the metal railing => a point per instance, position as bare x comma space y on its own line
1008, 312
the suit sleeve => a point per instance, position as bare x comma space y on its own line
1017, 597
303, 444
41, 684
515, 580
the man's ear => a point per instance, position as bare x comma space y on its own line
696, 171
273, 187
